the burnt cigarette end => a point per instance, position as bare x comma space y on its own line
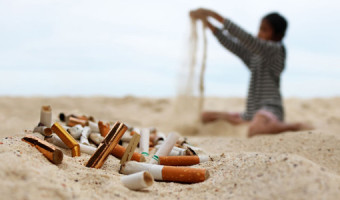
62, 117
148, 178
58, 156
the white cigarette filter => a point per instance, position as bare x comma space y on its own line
176, 151
137, 181
97, 138
46, 116
75, 131
167, 173
144, 142
84, 138
165, 147
94, 127
159, 137
58, 142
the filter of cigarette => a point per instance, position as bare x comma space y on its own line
96, 138
43, 130
85, 135
66, 138
105, 148
72, 121
94, 127
46, 116
144, 141
75, 131
119, 151
167, 173
182, 160
137, 181
83, 148
104, 129
165, 147
48, 150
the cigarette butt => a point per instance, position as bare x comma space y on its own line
104, 129
144, 141
97, 138
43, 130
165, 147
137, 181
83, 148
75, 131
66, 138
167, 173
48, 150
182, 160
94, 127
184, 174
105, 148
119, 151
85, 135
46, 116
72, 121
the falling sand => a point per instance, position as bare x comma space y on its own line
188, 106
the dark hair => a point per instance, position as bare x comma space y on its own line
278, 23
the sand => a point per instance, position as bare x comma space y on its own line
292, 165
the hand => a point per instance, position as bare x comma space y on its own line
196, 14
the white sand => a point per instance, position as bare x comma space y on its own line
301, 165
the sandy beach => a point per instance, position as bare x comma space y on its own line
292, 165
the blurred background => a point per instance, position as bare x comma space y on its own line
119, 48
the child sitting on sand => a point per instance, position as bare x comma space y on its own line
264, 56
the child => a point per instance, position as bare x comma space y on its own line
264, 56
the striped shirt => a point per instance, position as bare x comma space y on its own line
265, 60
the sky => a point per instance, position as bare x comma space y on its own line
119, 48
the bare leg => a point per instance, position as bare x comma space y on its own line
265, 122
233, 118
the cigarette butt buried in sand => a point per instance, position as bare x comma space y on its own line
97, 138
72, 121
104, 129
182, 160
83, 148
66, 138
75, 131
167, 173
85, 135
43, 130
46, 116
94, 127
108, 144
48, 150
165, 147
137, 181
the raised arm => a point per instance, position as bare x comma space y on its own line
230, 42
253, 44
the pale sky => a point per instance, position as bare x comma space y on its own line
118, 48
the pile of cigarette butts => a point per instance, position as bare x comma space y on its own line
171, 154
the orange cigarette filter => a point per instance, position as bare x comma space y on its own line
72, 121
179, 160
119, 151
184, 174
48, 150
104, 129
